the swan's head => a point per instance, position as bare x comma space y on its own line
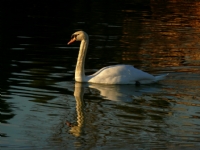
78, 36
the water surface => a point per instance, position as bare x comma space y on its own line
42, 106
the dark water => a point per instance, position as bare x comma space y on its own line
41, 105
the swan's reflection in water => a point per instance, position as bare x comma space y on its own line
78, 94
121, 93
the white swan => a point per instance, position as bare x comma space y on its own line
115, 74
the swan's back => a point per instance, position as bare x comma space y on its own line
119, 74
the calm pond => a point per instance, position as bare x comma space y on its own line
42, 107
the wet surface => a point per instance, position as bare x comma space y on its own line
41, 105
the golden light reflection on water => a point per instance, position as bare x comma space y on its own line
168, 37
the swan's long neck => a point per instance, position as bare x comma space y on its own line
80, 72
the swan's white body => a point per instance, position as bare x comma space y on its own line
116, 74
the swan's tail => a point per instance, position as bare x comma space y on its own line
160, 77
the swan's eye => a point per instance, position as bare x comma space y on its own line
74, 36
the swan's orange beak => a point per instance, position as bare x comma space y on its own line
72, 40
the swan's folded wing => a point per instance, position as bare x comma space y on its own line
119, 74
